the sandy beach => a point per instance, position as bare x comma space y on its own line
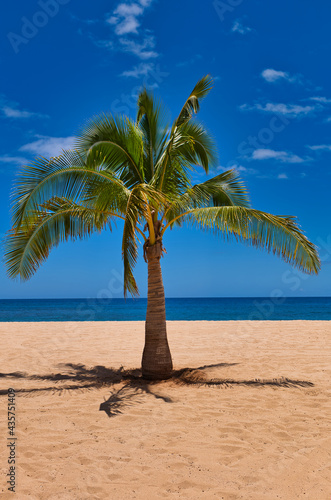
89, 429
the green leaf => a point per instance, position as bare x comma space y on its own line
57, 220
65, 176
120, 141
192, 105
277, 234
151, 118
225, 189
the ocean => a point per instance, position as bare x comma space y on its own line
186, 309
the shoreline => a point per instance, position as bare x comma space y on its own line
172, 321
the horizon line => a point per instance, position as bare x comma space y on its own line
210, 297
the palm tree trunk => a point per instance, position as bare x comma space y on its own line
156, 360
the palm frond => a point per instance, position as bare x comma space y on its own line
57, 220
129, 241
195, 144
280, 235
225, 189
151, 117
188, 146
120, 141
192, 106
174, 177
65, 176
103, 195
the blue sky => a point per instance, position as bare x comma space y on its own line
64, 61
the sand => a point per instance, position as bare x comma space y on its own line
242, 439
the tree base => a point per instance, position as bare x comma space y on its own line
156, 376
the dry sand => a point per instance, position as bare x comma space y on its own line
168, 440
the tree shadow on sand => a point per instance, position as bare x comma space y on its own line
132, 386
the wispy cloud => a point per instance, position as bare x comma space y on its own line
245, 170
321, 99
320, 147
270, 154
238, 27
273, 75
15, 113
13, 160
127, 31
143, 50
126, 20
143, 69
103, 44
48, 146
291, 110
189, 61
83, 21
240, 168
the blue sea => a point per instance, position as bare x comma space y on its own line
188, 309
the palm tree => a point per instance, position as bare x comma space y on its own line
140, 171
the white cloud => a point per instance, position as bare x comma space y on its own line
125, 17
126, 20
145, 3
128, 9
143, 69
15, 113
142, 50
270, 154
11, 112
275, 76
321, 99
128, 34
245, 170
272, 75
14, 160
321, 147
48, 146
239, 28
280, 108
287, 109
104, 44
239, 168
282, 176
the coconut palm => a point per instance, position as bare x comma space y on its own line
140, 171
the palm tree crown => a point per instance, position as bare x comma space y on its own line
140, 171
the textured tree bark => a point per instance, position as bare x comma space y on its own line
156, 359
